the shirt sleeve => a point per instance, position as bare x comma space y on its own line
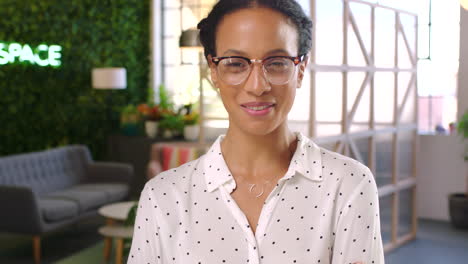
357, 232
146, 245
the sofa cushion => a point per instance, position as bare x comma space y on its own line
86, 199
114, 191
57, 209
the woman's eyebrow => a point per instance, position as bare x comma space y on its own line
275, 52
236, 52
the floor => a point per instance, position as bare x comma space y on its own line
436, 243
17, 249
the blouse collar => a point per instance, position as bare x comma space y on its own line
306, 161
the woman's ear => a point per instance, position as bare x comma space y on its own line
213, 72
302, 67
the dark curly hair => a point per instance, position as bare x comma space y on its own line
290, 8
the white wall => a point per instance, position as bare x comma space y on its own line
463, 69
441, 171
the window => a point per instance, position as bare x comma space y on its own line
438, 63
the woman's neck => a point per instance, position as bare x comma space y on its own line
256, 157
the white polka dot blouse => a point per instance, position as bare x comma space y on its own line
325, 209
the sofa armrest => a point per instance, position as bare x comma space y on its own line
20, 210
110, 172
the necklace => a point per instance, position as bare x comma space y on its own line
254, 186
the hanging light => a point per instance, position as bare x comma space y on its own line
464, 4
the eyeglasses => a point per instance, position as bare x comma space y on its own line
278, 70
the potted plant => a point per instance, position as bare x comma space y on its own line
152, 115
191, 126
171, 125
129, 120
458, 202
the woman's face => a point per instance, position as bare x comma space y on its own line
257, 33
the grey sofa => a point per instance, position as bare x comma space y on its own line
47, 190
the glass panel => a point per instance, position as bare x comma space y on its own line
329, 90
403, 81
385, 204
360, 121
329, 32
363, 146
384, 38
408, 114
328, 130
408, 24
299, 126
327, 145
384, 158
355, 54
410, 6
300, 108
406, 140
361, 14
405, 212
384, 97
404, 59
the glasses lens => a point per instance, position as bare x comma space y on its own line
278, 70
233, 70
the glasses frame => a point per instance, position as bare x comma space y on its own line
296, 60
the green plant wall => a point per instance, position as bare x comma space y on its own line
44, 107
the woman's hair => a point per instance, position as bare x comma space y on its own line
290, 8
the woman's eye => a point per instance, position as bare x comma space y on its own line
235, 64
276, 63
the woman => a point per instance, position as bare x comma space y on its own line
261, 194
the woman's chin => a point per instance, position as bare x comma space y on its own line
259, 128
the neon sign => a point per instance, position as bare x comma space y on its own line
43, 55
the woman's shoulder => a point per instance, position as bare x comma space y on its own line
174, 178
350, 175
330, 161
338, 161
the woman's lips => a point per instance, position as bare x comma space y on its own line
257, 108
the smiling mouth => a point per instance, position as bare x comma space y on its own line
258, 108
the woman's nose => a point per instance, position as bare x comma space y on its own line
256, 82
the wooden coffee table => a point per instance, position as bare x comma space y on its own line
115, 214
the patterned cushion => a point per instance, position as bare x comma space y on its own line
173, 157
